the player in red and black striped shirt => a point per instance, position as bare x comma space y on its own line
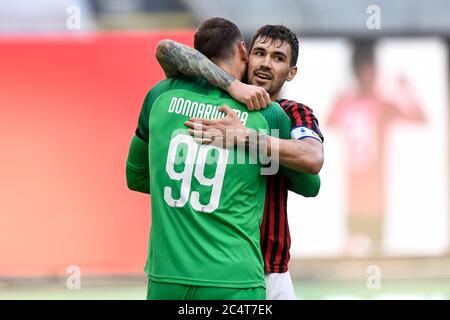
275, 235
272, 62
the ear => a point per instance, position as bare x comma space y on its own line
292, 73
243, 51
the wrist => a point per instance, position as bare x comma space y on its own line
243, 137
233, 86
265, 143
256, 139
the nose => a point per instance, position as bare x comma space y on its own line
266, 62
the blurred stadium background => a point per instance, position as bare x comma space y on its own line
73, 75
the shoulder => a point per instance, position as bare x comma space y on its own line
299, 113
292, 106
277, 119
158, 89
173, 83
190, 83
274, 109
302, 118
163, 84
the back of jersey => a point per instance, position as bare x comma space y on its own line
206, 208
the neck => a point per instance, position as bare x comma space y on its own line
365, 90
226, 66
274, 95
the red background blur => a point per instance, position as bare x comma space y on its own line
69, 105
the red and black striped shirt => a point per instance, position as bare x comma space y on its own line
275, 236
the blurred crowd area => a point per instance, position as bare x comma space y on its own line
376, 74
347, 18
51, 16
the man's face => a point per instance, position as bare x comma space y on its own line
269, 65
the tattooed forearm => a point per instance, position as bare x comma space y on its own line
164, 59
177, 58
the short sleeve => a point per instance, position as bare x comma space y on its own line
278, 121
304, 123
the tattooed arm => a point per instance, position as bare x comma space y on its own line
177, 58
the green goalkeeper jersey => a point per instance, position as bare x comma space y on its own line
206, 207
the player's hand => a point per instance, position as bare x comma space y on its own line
223, 133
254, 97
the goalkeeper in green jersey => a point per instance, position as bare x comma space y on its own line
206, 206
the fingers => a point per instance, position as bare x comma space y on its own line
205, 134
267, 100
228, 111
203, 140
197, 133
198, 125
210, 139
263, 98
202, 121
225, 108
260, 99
250, 105
255, 101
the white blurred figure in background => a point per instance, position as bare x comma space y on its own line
363, 116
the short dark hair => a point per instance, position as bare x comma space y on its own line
215, 37
363, 54
278, 32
